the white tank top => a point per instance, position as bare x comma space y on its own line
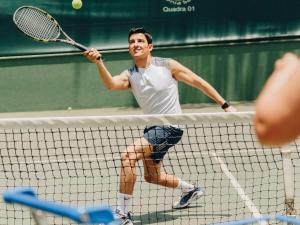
154, 88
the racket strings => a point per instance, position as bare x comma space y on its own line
37, 24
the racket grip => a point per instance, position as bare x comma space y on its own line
83, 48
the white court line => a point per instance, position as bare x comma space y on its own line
255, 212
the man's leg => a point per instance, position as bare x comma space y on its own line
153, 174
138, 150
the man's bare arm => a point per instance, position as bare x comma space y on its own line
185, 75
119, 82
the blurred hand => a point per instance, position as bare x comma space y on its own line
278, 105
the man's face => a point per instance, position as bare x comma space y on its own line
138, 46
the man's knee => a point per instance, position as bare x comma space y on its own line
128, 159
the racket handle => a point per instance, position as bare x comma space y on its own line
80, 46
83, 48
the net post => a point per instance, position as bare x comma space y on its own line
289, 184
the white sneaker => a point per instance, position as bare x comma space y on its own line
187, 197
125, 219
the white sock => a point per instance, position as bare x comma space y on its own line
184, 186
123, 202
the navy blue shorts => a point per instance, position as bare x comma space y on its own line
162, 138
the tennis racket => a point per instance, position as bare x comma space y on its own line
41, 26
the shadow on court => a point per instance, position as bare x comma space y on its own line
171, 216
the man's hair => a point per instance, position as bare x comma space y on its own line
140, 30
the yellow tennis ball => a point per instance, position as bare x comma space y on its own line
76, 4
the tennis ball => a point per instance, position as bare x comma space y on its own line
76, 4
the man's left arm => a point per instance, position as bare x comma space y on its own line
181, 73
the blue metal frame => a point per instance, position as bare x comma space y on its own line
27, 197
283, 218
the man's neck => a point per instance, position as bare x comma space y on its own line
144, 62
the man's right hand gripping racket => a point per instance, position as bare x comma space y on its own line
41, 26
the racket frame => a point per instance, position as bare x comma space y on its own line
67, 40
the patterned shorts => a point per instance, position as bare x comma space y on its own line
162, 138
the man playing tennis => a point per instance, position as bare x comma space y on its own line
153, 82
278, 105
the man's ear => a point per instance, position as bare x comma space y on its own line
151, 47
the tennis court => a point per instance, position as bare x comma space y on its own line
80, 166
73, 156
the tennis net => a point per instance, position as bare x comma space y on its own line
76, 161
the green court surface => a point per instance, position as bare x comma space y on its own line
238, 184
